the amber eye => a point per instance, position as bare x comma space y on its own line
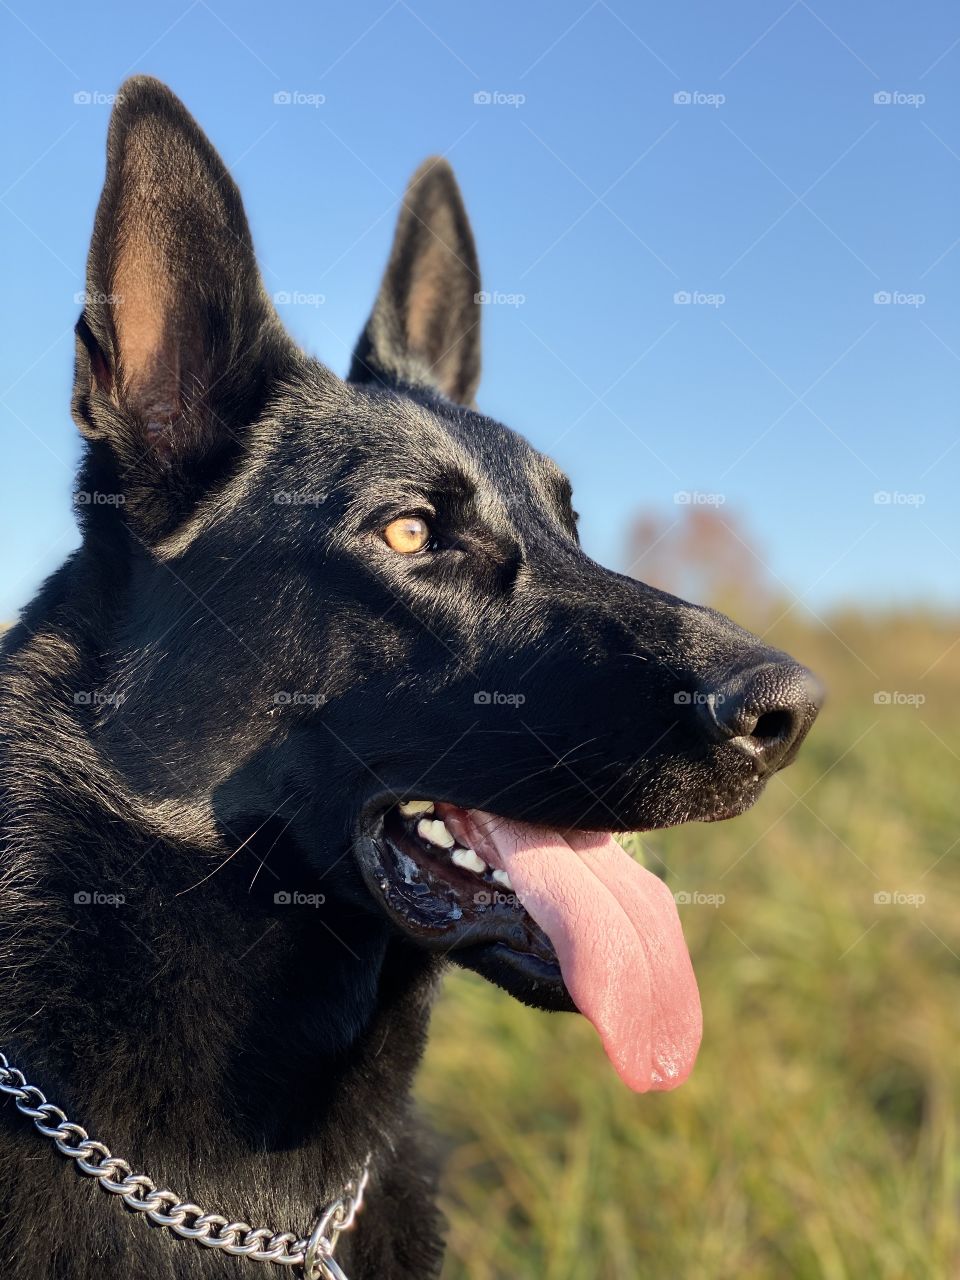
407, 535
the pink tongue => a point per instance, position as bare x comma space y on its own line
616, 932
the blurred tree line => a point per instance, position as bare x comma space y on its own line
706, 555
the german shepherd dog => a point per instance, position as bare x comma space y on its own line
328, 697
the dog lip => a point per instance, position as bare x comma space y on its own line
435, 910
520, 973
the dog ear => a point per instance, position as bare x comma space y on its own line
178, 345
425, 324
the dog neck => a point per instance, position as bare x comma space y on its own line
249, 1060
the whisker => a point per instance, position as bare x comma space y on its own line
230, 856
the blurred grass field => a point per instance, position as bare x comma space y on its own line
818, 1135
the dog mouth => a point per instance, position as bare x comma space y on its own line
562, 919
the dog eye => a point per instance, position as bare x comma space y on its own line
407, 535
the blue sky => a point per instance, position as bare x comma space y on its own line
781, 197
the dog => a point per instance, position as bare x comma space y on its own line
328, 698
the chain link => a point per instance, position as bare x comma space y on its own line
314, 1253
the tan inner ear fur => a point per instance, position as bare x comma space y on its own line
143, 315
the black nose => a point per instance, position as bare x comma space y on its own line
764, 711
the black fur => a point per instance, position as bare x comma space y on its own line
211, 701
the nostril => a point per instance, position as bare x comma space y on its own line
773, 726
763, 711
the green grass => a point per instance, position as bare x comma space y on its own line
818, 1135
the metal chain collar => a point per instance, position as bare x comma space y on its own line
314, 1253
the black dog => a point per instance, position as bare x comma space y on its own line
254, 732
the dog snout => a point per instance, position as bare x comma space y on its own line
764, 711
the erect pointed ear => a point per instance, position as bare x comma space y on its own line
178, 346
425, 324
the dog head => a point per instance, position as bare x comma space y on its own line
362, 605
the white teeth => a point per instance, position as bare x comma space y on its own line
434, 831
414, 808
467, 859
501, 877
